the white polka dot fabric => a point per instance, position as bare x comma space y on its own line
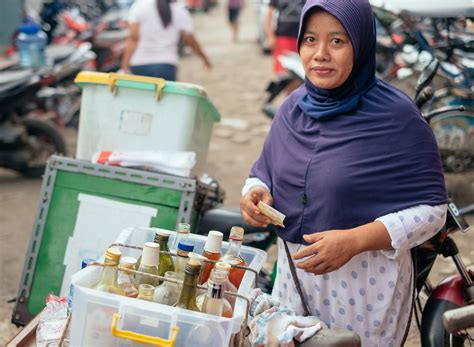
372, 293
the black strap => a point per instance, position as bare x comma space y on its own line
297, 282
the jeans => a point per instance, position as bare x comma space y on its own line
165, 71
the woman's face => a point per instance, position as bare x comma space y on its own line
326, 51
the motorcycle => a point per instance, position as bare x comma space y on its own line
28, 133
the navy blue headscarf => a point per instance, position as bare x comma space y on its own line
337, 159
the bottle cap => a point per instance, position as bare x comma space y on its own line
195, 259
151, 254
223, 266
183, 228
185, 246
162, 232
128, 262
146, 290
236, 233
112, 256
214, 242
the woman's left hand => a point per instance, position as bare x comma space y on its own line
328, 251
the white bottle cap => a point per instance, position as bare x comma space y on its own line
214, 241
128, 262
151, 254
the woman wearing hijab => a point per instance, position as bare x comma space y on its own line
356, 170
156, 27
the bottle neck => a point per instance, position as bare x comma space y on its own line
163, 243
234, 247
189, 287
109, 275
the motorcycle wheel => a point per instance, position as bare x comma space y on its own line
433, 333
43, 141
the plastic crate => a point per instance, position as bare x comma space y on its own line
136, 113
93, 311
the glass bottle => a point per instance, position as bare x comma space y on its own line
145, 292
182, 258
228, 286
166, 262
233, 257
167, 293
182, 235
125, 278
212, 251
187, 297
109, 279
149, 264
213, 301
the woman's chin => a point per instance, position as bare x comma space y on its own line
324, 83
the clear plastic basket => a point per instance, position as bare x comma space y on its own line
93, 312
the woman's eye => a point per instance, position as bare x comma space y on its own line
310, 39
337, 41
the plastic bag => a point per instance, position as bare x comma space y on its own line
53, 321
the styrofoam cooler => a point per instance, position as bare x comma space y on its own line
135, 113
93, 311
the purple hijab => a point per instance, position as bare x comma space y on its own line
337, 159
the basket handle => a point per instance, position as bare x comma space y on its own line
140, 338
115, 77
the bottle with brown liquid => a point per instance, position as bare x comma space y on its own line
212, 251
233, 257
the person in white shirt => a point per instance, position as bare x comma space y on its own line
156, 26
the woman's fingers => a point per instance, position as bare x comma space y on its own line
306, 251
252, 221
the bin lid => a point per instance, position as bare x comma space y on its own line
159, 85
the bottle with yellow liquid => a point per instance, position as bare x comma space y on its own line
109, 279
233, 256
213, 301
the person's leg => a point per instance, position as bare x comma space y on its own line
233, 20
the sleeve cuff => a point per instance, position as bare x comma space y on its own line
252, 182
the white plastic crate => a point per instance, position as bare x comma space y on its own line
93, 311
135, 113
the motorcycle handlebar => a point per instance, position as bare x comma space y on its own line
459, 319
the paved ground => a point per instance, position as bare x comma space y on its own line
236, 85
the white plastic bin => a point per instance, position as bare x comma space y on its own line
135, 113
93, 311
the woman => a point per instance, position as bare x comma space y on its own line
156, 27
356, 170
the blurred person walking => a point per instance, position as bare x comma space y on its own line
283, 38
234, 7
156, 27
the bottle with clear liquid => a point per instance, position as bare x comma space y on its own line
212, 251
149, 264
181, 258
125, 278
182, 235
187, 297
228, 286
109, 280
31, 43
166, 262
233, 257
146, 292
167, 293
213, 301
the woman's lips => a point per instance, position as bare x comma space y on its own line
322, 71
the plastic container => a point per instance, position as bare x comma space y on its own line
93, 311
135, 113
31, 43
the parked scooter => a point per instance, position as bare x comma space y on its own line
30, 104
25, 143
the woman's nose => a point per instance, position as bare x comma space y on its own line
321, 53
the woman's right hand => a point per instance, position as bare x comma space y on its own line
249, 209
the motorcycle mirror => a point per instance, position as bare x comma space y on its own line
427, 75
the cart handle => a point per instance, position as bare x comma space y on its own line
115, 77
140, 338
